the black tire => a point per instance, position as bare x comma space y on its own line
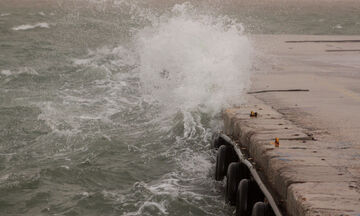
217, 141
225, 156
247, 195
255, 194
235, 173
242, 198
259, 209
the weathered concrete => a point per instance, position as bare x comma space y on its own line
316, 169
298, 170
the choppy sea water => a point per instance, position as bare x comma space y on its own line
108, 107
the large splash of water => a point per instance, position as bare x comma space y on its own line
193, 64
188, 60
182, 60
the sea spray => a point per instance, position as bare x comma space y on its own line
187, 60
191, 65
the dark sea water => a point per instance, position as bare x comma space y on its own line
108, 107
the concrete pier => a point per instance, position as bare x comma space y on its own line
316, 168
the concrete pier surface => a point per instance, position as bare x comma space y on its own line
316, 168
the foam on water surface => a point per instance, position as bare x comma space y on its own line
29, 26
21, 70
4, 14
5, 72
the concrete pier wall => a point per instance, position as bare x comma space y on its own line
301, 170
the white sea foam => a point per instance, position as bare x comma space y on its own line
101, 68
21, 70
338, 26
28, 26
85, 194
154, 206
168, 186
188, 60
27, 70
117, 57
6, 72
4, 178
65, 167
4, 14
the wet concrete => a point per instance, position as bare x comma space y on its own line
316, 169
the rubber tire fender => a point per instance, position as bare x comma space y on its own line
255, 194
224, 157
242, 198
259, 209
235, 173
262, 209
217, 141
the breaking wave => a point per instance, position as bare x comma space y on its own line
28, 26
187, 60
